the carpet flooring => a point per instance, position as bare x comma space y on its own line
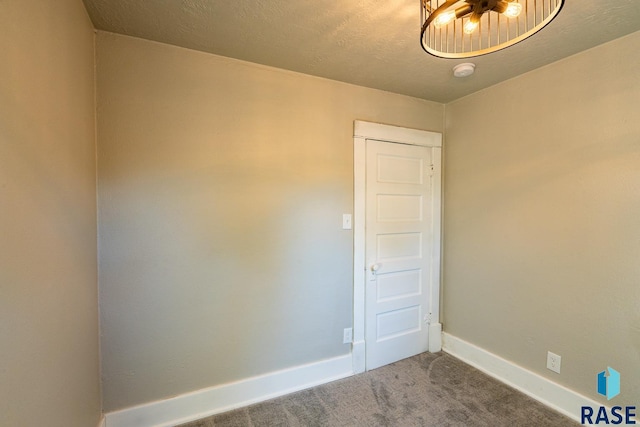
424, 390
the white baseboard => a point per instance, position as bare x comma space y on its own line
554, 395
210, 401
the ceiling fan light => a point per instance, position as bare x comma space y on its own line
482, 26
470, 26
444, 18
514, 9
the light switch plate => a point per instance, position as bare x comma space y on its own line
346, 221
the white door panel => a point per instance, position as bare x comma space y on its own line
398, 240
393, 208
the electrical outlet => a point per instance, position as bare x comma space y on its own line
347, 336
553, 362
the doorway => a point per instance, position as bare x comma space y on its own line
397, 200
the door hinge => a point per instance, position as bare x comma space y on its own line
431, 168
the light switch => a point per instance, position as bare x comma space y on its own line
346, 221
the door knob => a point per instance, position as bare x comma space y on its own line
373, 268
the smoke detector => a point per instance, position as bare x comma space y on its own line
464, 70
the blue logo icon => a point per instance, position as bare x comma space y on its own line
609, 385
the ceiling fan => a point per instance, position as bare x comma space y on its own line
467, 28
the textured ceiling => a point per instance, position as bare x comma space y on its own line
370, 43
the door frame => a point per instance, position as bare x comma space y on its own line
386, 133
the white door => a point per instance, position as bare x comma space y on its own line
399, 230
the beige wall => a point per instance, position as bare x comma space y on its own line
542, 218
222, 186
49, 373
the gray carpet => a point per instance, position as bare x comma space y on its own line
424, 390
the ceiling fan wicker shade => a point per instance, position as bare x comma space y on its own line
494, 30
